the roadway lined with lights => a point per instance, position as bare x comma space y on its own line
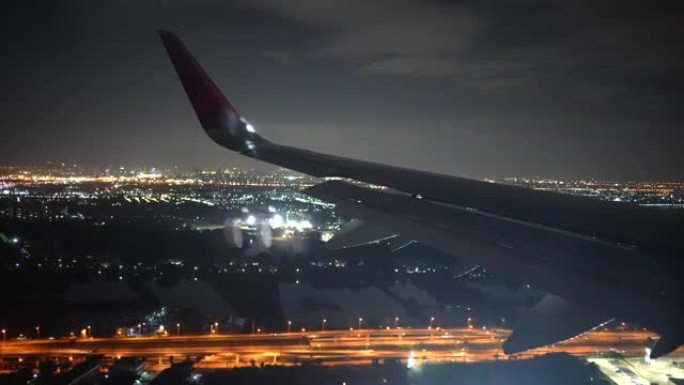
331, 347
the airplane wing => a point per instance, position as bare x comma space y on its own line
576, 247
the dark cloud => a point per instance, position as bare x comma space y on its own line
396, 36
616, 44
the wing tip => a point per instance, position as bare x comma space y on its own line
218, 117
167, 36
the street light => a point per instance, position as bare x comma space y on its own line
360, 321
90, 333
432, 321
178, 329
4, 335
396, 322
37, 332
323, 324
216, 327
139, 329
289, 326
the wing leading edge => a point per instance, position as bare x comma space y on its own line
628, 224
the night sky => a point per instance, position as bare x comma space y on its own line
574, 89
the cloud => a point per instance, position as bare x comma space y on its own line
613, 48
413, 65
395, 36
283, 57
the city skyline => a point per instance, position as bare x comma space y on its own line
260, 168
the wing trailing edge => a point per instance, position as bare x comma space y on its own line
358, 233
551, 320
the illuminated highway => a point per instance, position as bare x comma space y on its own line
334, 347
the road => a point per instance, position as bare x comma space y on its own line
333, 347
